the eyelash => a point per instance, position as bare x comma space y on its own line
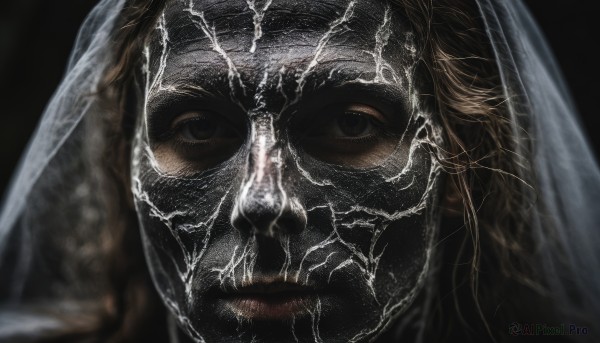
173, 131
378, 126
172, 136
357, 143
179, 142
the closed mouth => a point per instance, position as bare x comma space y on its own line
271, 300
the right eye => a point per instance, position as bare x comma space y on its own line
198, 127
197, 140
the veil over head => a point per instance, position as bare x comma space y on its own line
52, 245
50, 237
567, 179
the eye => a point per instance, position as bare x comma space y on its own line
197, 140
352, 134
198, 127
352, 124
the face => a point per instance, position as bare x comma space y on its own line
285, 168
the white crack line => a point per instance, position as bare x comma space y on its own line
315, 316
285, 245
336, 27
209, 31
257, 18
156, 84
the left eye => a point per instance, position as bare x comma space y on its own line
352, 125
346, 122
352, 134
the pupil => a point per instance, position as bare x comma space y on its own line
201, 129
352, 124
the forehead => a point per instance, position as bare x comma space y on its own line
235, 21
200, 40
278, 23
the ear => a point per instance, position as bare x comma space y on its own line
452, 204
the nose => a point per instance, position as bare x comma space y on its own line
264, 204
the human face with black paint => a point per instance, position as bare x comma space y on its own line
285, 169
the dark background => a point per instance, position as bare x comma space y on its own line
37, 35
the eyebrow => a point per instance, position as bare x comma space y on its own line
346, 75
211, 82
180, 88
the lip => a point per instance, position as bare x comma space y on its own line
271, 299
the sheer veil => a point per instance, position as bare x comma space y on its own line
50, 236
567, 178
52, 211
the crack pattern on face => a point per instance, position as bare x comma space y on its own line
259, 14
336, 27
383, 70
155, 85
235, 79
362, 238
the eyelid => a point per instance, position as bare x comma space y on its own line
189, 115
391, 101
367, 110
223, 120
164, 110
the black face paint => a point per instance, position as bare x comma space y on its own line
285, 169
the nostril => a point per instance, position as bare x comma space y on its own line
290, 224
293, 216
238, 220
269, 219
255, 213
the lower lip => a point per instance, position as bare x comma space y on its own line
271, 306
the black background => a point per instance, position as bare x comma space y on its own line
37, 35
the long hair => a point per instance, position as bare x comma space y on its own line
488, 268
492, 270
487, 273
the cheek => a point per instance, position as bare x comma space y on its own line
179, 219
384, 223
386, 217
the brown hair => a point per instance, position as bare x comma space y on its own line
492, 254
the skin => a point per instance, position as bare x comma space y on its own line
286, 143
